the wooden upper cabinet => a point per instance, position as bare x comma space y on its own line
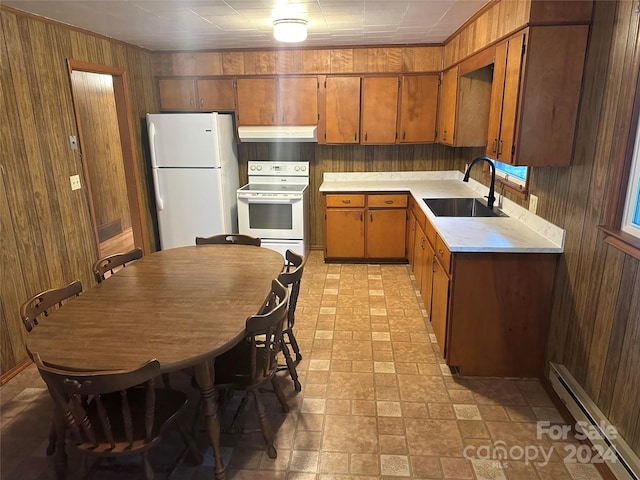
379, 109
341, 109
193, 95
536, 92
256, 101
447, 106
216, 94
463, 111
298, 100
418, 108
177, 94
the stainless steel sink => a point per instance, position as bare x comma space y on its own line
461, 207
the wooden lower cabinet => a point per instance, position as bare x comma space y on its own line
365, 226
498, 313
488, 311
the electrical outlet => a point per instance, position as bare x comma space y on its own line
75, 182
74, 143
533, 203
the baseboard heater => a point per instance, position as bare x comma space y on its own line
620, 458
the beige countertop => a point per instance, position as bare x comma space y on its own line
520, 232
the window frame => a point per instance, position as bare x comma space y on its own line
622, 160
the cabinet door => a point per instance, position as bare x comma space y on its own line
426, 284
418, 108
447, 106
216, 94
419, 248
495, 108
342, 110
411, 239
298, 100
510, 99
177, 94
344, 233
440, 305
379, 109
256, 101
386, 233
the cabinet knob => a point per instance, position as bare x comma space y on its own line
494, 146
371, 217
500, 147
202, 102
355, 136
404, 135
440, 251
366, 136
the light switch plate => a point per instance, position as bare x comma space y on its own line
533, 203
75, 182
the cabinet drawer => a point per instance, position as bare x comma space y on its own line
348, 200
387, 201
443, 254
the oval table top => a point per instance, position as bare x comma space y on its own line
181, 306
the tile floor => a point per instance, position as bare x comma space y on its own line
377, 402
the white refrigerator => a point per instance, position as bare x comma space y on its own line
195, 175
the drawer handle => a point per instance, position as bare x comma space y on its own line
346, 201
388, 202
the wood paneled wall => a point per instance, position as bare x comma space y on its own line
502, 17
46, 233
595, 324
298, 61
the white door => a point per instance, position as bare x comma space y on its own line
183, 140
189, 204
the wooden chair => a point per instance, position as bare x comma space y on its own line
36, 307
235, 238
108, 264
39, 305
290, 278
253, 362
114, 413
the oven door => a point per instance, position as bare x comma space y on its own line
271, 216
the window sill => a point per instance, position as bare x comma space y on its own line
622, 241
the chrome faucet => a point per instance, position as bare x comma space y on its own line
491, 197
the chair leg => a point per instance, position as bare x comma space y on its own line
277, 389
147, 471
265, 426
51, 447
294, 345
195, 457
291, 367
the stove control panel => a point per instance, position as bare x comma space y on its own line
276, 168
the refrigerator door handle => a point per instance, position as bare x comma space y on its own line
156, 189
152, 137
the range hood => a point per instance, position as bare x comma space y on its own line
278, 134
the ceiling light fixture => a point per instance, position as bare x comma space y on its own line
290, 30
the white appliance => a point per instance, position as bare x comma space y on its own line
195, 175
274, 205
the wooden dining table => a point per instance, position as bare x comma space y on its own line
182, 306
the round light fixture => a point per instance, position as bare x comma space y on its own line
290, 30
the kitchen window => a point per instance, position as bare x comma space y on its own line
631, 215
510, 174
622, 227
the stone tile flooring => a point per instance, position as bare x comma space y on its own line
377, 402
